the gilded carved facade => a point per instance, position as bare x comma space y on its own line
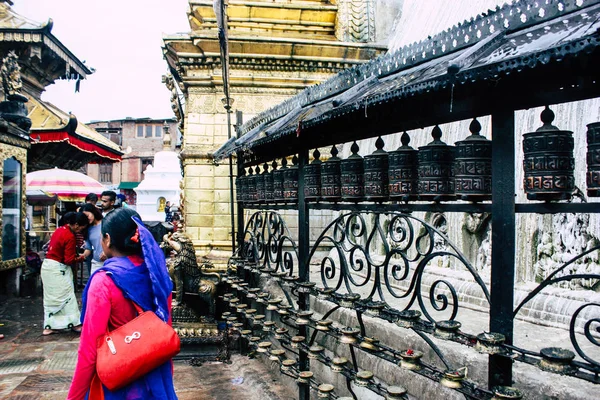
275, 50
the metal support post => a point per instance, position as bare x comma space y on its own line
303, 267
503, 241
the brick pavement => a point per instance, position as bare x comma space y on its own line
39, 367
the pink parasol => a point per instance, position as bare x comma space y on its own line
67, 185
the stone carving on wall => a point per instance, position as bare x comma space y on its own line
11, 75
476, 234
356, 21
170, 83
569, 237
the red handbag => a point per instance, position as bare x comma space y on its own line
134, 349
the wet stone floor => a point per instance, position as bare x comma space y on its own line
39, 367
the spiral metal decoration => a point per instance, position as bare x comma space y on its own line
268, 243
374, 252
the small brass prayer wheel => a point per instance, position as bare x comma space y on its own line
304, 377
490, 343
407, 318
364, 378
312, 178
325, 293
338, 364
349, 335
403, 171
376, 174
268, 326
473, 166
411, 360
506, 392
323, 325
453, 378
286, 365
446, 329
290, 182
347, 300
324, 390
263, 347
296, 340
396, 393
555, 359
278, 177
548, 161
436, 169
303, 317
314, 352
370, 344
331, 184
373, 308
276, 355
352, 170
593, 160
273, 304
280, 333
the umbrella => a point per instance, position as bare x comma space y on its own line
67, 185
40, 198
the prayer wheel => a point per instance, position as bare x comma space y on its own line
376, 173
473, 166
593, 160
403, 171
331, 183
436, 172
352, 173
312, 178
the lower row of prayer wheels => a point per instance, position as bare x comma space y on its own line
435, 172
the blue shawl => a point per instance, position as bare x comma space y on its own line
149, 286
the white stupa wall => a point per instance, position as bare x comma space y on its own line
161, 181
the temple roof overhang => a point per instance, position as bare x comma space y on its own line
43, 58
314, 19
59, 140
515, 57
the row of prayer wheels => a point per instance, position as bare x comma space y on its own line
435, 172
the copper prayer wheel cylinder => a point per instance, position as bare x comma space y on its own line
376, 173
240, 186
403, 171
252, 195
548, 161
473, 166
268, 176
278, 182
436, 171
331, 184
593, 160
290, 182
353, 173
260, 185
312, 178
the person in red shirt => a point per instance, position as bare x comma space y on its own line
60, 304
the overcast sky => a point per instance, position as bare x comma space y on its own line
121, 39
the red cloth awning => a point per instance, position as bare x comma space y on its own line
79, 143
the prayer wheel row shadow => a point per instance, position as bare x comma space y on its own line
435, 172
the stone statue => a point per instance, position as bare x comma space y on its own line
11, 75
187, 275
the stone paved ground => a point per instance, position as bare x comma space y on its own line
39, 367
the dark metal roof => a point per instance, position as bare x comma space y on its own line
515, 39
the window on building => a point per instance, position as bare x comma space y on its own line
105, 173
140, 131
145, 163
148, 130
158, 131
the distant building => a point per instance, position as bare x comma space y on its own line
140, 138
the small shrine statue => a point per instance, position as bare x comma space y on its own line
187, 275
11, 75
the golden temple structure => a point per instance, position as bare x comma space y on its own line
276, 49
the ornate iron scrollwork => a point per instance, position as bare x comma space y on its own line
375, 252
